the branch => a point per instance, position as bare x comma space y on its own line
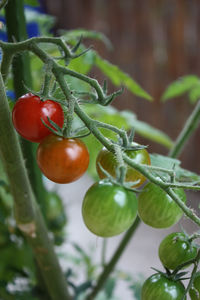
190, 125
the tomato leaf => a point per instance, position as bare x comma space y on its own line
91, 34
182, 175
194, 94
180, 87
146, 130
31, 2
83, 63
119, 78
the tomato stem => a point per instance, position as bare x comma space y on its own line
112, 263
27, 213
188, 129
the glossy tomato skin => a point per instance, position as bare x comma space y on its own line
28, 112
176, 249
157, 209
108, 209
108, 161
62, 160
195, 289
158, 287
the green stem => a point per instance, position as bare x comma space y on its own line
189, 127
27, 214
115, 258
196, 263
16, 29
194, 237
3, 3
7, 58
103, 253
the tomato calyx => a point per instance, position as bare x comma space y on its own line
57, 130
118, 180
178, 276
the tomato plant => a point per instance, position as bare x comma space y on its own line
195, 289
157, 209
28, 112
108, 209
109, 163
159, 287
62, 160
176, 249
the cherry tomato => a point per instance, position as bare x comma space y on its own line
108, 209
195, 289
159, 287
62, 160
55, 212
176, 249
157, 209
108, 161
28, 112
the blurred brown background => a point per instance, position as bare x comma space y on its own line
155, 41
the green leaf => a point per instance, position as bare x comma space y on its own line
182, 175
119, 78
180, 87
162, 161
83, 63
147, 131
32, 2
110, 286
194, 94
91, 34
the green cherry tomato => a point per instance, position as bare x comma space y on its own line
55, 212
108, 161
176, 249
195, 289
108, 209
157, 209
159, 287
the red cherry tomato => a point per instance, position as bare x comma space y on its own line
62, 160
28, 112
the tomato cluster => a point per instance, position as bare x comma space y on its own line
60, 159
176, 251
108, 208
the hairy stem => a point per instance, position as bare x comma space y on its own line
188, 129
27, 214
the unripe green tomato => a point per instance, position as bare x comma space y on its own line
108, 161
176, 249
158, 287
108, 209
157, 209
195, 289
55, 212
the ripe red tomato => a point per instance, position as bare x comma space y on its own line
195, 289
176, 249
28, 112
108, 209
159, 287
157, 209
62, 160
108, 161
